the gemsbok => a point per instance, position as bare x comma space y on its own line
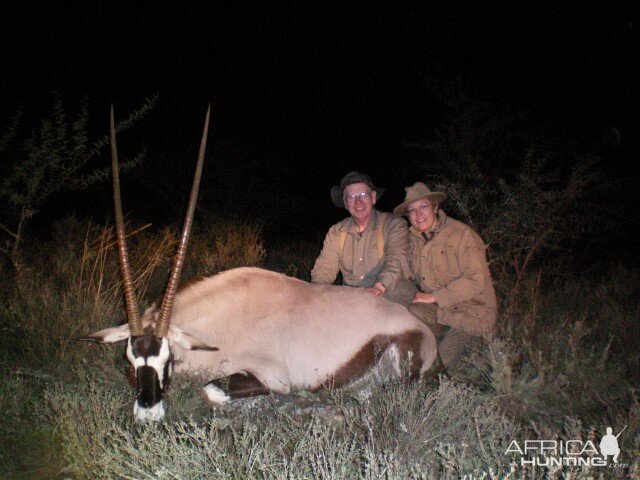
255, 331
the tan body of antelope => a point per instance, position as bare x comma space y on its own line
254, 331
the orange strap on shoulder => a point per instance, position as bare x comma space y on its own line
381, 223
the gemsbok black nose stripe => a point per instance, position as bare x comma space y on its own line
149, 391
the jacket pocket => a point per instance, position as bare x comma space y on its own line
443, 265
437, 260
475, 319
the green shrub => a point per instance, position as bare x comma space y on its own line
54, 158
532, 202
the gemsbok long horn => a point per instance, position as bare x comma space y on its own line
131, 302
164, 317
256, 332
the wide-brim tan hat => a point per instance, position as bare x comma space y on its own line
418, 191
350, 178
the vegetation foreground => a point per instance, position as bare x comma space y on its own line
564, 367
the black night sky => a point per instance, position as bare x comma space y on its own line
303, 93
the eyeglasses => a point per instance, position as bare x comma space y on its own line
352, 198
419, 209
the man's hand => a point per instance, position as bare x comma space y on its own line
378, 289
422, 297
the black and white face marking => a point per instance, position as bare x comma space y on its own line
152, 360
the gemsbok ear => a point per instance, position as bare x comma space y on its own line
187, 341
109, 335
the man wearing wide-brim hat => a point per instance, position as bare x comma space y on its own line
447, 262
369, 247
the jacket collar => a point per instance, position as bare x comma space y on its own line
442, 220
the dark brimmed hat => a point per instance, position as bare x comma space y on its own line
418, 191
337, 192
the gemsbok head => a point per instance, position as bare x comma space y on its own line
254, 331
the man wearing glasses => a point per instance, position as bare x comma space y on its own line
369, 247
447, 262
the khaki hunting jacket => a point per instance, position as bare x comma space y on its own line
453, 266
358, 259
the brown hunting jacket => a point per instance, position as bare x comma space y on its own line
358, 258
453, 266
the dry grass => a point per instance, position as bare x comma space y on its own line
400, 432
227, 245
566, 364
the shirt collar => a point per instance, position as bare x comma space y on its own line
351, 227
